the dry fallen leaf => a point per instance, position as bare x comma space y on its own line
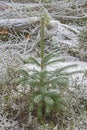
27, 37
3, 32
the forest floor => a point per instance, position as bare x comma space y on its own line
19, 37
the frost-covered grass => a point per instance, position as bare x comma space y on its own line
14, 97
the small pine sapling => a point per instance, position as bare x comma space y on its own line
45, 86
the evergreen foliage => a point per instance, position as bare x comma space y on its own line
83, 38
46, 87
83, 44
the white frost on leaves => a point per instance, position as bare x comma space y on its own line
5, 123
63, 33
